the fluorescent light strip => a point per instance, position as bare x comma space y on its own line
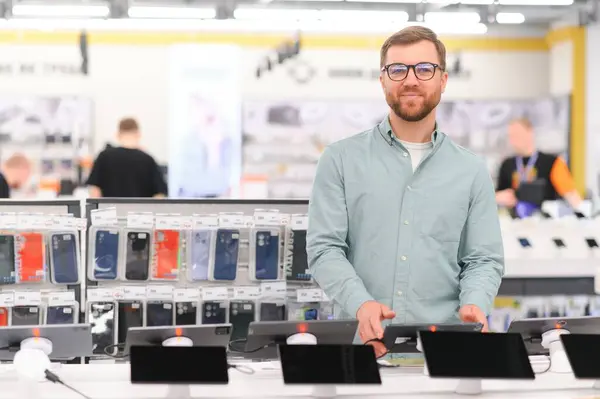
510, 18
535, 2
452, 18
338, 16
62, 11
171, 12
477, 2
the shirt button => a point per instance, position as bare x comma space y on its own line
399, 293
405, 154
403, 257
408, 188
406, 222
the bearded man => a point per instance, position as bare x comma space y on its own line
403, 223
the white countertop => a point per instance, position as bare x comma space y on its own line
104, 381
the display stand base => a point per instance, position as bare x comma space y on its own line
596, 384
179, 392
324, 391
29, 389
469, 387
559, 362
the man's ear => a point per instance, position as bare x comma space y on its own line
444, 81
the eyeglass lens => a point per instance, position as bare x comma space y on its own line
423, 71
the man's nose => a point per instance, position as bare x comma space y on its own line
411, 78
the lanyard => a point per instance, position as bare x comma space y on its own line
524, 170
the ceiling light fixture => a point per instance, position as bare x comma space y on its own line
452, 18
171, 12
61, 10
535, 2
510, 18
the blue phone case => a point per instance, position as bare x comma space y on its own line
226, 254
106, 255
60, 315
200, 255
267, 255
63, 253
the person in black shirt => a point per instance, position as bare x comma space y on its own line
125, 170
528, 165
15, 172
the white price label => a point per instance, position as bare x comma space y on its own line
234, 219
186, 295
28, 298
60, 298
299, 222
205, 221
309, 295
159, 292
215, 293
7, 299
274, 289
140, 220
133, 292
266, 217
168, 222
104, 217
8, 220
187, 223
100, 294
246, 292
284, 219
248, 221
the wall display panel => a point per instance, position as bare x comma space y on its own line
54, 132
283, 140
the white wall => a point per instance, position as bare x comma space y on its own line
132, 81
561, 68
593, 99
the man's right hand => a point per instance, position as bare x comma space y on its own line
370, 315
506, 198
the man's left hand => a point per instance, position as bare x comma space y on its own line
472, 314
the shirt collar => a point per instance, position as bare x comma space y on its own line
385, 128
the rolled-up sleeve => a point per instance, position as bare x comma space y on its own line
481, 253
326, 242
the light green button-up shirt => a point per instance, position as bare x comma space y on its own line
422, 243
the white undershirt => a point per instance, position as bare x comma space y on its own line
417, 151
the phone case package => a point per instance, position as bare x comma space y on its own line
225, 254
10, 263
295, 257
199, 251
30, 253
167, 254
104, 253
137, 254
63, 248
264, 253
102, 316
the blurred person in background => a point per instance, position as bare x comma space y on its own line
529, 165
125, 170
403, 223
15, 173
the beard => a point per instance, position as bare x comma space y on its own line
412, 109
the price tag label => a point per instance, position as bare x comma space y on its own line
133, 292
246, 292
187, 223
8, 220
28, 298
60, 298
104, 217
309, 295
268, 217
277, 289
248, 221
234, 219
7, 299
140, 220
168, 222
215, 293
186, 295
299, 222
203, 221
159, 292
100, 294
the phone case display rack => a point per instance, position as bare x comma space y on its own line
156, 263
146, 262
40, 267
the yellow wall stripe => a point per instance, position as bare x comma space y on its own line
576, 36
453, 43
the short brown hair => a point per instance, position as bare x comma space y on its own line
412, 35
128, 125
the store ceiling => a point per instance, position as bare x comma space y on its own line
535, 12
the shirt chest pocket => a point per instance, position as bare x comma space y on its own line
442, 217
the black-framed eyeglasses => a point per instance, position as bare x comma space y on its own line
423, 70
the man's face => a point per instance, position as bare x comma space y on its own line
413, 99
20, 177
520, 137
